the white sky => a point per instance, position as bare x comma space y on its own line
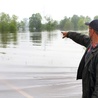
56, 9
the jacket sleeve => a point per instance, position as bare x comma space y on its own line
79, 38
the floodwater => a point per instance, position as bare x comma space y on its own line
39, 65
42, 49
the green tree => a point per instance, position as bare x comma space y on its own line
62, 23
96, 17
75, 20
8, 23
69, 25
50, 24
13, 24
4, 22
21, 25
81, 21
35, 22
87, 19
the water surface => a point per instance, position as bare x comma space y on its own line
41, 50
39, 65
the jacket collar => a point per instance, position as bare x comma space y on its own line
95, 49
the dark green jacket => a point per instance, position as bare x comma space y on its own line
87, 70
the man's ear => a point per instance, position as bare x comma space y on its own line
93, 31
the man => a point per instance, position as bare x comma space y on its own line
88, 67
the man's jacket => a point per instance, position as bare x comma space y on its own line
87, 70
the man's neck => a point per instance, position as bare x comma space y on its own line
95, 41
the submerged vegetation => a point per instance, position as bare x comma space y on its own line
35, 24
8, 23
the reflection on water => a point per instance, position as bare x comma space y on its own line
43, 38
45, 49
36, 38
7, 38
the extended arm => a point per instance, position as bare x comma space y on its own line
77, 37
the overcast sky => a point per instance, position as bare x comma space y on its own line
56, 9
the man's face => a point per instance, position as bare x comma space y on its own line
91, 32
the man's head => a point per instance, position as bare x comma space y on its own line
93, 28
93, 24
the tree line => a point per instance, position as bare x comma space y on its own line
68, 23
35, 23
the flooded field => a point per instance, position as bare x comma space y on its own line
39, 65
